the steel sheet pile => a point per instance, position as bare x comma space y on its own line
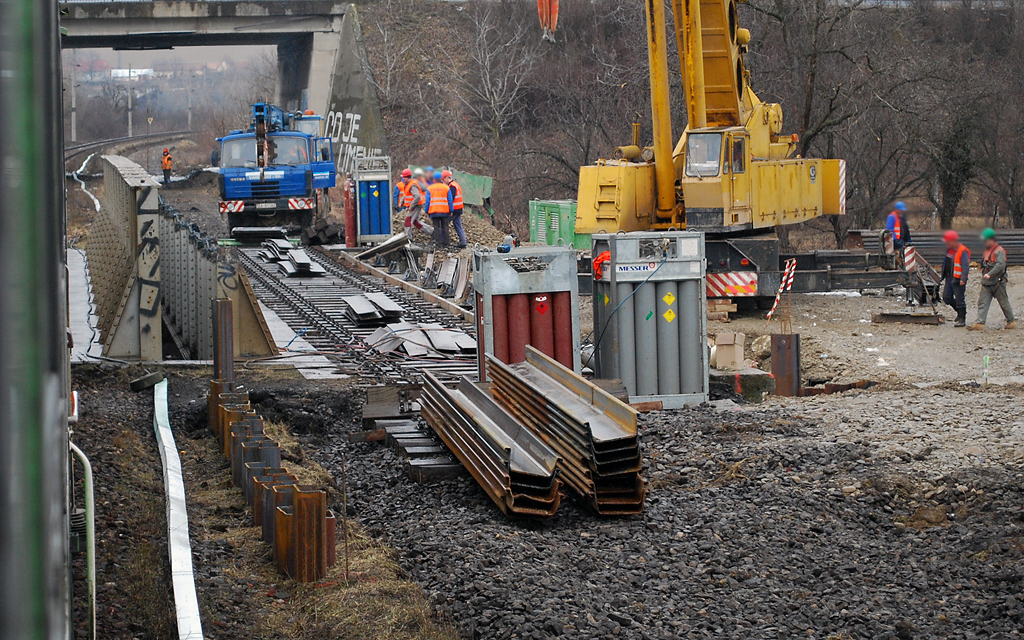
516, 469
593, 433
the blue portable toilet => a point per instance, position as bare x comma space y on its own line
372, 177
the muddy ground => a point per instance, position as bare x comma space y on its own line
241, 595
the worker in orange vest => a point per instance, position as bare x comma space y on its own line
993, 282
439, 207
414, 201
897, 224
166, 162
398, 197
457, 205
954, 272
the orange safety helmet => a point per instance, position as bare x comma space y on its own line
309, 112
446, 174
166, 151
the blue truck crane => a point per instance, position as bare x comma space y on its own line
277, 172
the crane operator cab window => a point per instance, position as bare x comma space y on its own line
288, 150
739, 156
703, 155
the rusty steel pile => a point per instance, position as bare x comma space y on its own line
594, 433
537, 418
296, 522
514, 467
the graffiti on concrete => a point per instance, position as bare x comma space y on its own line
344, 131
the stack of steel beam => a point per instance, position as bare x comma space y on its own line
593, 433
516, 469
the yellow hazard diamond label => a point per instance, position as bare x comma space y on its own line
606, 299
376, 194
669, 315
669, 299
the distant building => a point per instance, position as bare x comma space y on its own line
130, 75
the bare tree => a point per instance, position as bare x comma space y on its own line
392, 51
490, 84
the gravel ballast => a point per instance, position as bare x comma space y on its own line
757, 526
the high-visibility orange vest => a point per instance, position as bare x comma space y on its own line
958, 270
404, 197
457, 200
416, 197
165, 162
438, 199
897, 230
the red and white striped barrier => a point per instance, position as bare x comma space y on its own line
300, 203
735, 284
232, 206
786, 285
910, 259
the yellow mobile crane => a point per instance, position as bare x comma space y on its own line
732, 172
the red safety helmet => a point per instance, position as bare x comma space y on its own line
166, 151
406, 173
950, 236
446, 174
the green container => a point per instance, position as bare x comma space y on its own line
553, 222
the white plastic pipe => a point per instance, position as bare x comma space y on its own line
90, 536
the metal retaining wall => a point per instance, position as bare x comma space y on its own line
151, 269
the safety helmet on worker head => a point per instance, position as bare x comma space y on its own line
950, 236
417, 173
429, 169
437, 176
988, 234
446, 174
166, 152
901, 206
406, 173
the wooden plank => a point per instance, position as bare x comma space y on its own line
728, 308
393, 393
371, 435
720, 316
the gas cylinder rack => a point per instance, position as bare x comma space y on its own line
527, 296
372, 181
650, 316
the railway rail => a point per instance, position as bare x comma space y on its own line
313, 308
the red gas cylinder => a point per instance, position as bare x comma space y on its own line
350, 212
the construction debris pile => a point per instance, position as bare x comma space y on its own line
372, 309
295, 520
540, 418
323, 231
292, 262
419, 340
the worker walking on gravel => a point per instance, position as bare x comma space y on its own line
439, 207
166, 163
416, 199
993, 283
954, 273
457, 206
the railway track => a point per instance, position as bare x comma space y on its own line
313, 307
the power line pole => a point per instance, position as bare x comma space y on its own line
129, 100
190, 101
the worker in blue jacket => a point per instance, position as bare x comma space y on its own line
954, 273
896, 223
440, 205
